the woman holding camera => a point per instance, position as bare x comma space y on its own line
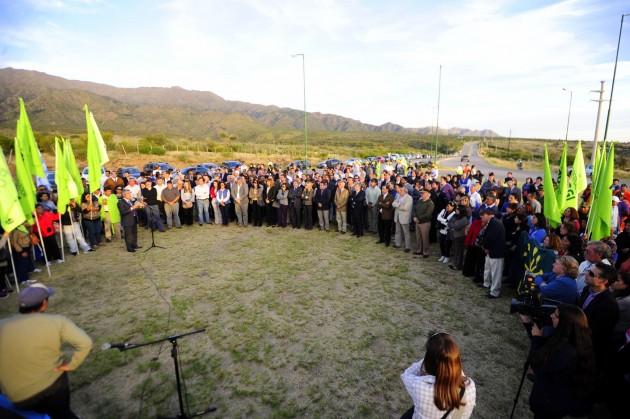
563, 366
437, 385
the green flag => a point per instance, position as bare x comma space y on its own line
66, 188
28, 146
552, 214
601, 209
561, 192
25, 185
11, 215
73, 169
378, 168
597, 164
96, 151
578, 180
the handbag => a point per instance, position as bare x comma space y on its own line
458, 412
276, 204
188, 204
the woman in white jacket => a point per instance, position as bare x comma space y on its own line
437, 385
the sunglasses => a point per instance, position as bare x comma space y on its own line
592, 274
434, 334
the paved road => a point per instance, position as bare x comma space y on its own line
449, 165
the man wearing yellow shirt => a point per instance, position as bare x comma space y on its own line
33, 368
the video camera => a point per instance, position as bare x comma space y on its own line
529, 302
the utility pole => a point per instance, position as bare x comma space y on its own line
305, 128
509, 141
599, 112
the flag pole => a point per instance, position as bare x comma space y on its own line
17, 287
74, 233
41, 240
63, 253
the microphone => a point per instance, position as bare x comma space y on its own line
119, 346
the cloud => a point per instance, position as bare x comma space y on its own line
504, 62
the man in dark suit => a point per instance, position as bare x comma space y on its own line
322, 201
602, 313
385, 216
512, 189
128, 220
295, 203
494, 247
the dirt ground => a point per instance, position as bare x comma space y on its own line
297, 324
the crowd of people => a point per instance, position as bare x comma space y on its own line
470, 223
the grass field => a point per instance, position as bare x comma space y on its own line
298, 324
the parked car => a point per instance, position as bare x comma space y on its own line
231, 165
351, 161
589, 169
204, 167
133, 171
186, 170
86, 171
302, 164
150, 167
330, 163
465, 158
51, 179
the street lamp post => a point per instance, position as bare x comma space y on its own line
305, 127
437, 122
566, 136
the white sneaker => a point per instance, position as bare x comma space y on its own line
441, 259
445, 260
48, 263
59, 260
36, 270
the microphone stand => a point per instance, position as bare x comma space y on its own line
174, 355
152, 223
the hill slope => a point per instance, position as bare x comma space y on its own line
175, 111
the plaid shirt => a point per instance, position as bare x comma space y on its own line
419, 385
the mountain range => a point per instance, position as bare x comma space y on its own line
50, 101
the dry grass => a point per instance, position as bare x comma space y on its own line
298, 323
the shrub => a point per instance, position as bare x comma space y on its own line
45, 141
159, 139
6, 143
108, 139
147, 148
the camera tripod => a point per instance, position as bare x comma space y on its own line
520, 387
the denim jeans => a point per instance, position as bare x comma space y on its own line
203, 206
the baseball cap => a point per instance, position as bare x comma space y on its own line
615, 199
34, 295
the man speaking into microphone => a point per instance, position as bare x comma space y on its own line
33, 367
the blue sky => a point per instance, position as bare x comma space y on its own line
504, 62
